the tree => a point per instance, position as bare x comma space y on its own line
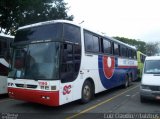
152, 48
16, 13
140, 45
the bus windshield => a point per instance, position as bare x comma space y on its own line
40, 33
152, 67
36, 61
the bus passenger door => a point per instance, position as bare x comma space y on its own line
66, 73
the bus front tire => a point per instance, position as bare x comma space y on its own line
87, 92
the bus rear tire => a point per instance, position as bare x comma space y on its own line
126, 84
87, 92
142, 99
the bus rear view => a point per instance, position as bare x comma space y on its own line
5, 52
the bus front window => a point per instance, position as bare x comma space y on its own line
39, 61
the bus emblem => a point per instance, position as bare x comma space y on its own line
108, 66
66, 89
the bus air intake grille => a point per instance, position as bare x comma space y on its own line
19, 85
26, 86
31, 86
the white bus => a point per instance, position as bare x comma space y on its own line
5, 41
57, 62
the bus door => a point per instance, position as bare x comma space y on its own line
66, 73
70, 65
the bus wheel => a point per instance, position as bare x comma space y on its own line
126, 84
87, 92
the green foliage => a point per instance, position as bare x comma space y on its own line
140, 45
16, 13
150, 49
153, 48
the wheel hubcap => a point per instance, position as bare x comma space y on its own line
86, 92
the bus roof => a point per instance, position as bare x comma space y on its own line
6, 36
71, 22
47, 22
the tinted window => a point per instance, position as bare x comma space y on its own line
72, 33
67, 67
123, 51
135, 54
116, 49
129, 53
95, 44
106, 46
88, 41
3, 47
77, 58
44, 32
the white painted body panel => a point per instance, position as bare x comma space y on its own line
3, 84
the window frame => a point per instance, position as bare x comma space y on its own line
92, 35
110, 44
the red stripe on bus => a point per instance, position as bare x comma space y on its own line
35, 96
127, 66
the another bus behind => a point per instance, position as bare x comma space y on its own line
5, 41
140, 59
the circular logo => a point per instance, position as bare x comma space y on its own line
108, 66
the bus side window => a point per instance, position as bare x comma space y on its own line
95, 44
130, 53
135, 55
3, 48
119, 50
92, 42
88, 41
77, 59
116, 49
107, 46
123, 51
127, 52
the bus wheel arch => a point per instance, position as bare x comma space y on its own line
88, 90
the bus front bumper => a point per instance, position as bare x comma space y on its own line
50, 98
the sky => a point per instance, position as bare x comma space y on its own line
134, 19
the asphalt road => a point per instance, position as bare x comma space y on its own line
115, 103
